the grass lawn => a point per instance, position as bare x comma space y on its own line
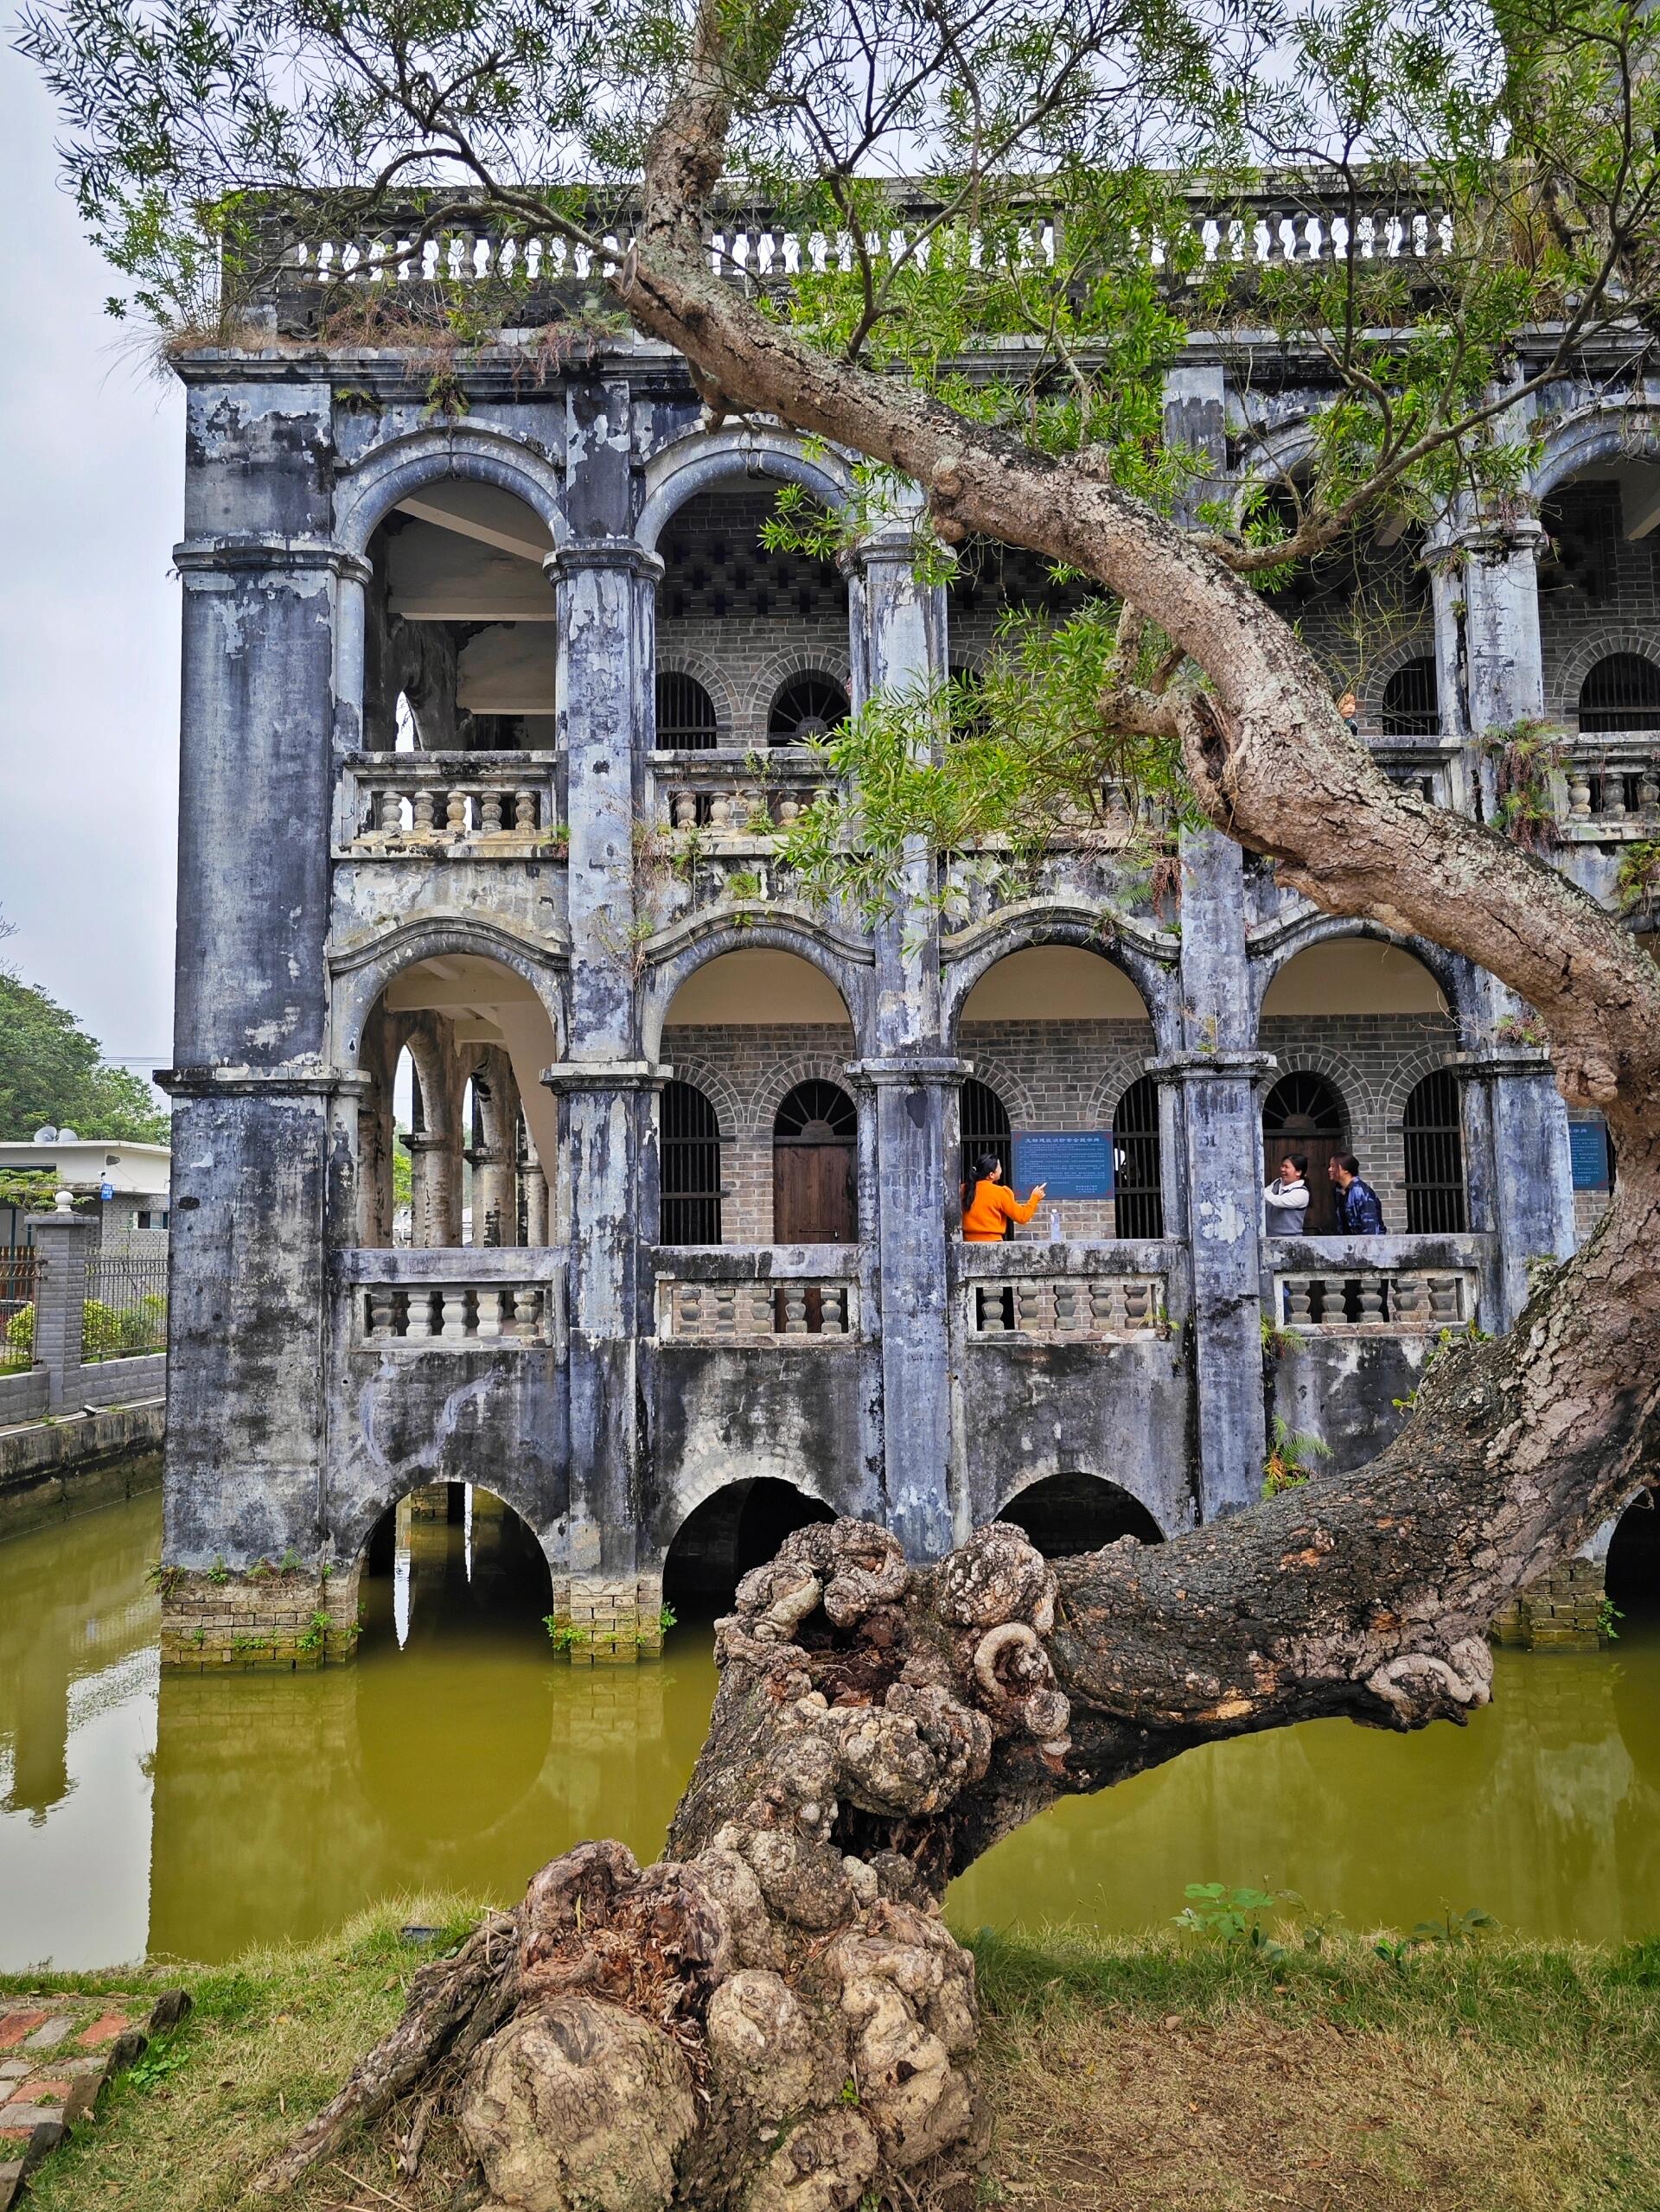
1153, 2074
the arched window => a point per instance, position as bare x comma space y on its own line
690, 1167
984, 1127
1411, 705
1622, 692
814, 1166
807, 708
1303, 1114
685, 714
1433, 1144
1138, 1186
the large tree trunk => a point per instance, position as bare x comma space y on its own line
775, 2018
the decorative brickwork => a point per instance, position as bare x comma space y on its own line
607, 1621
56, 2054
1564, 1611
272, 1619
1373, 1060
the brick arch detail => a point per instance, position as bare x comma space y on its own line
1358, 1096
1010, 1085
717, 1087
1421, 646
1576, 665
777, 1083
715, 680
776, 670
1404, 1076
1104, 1100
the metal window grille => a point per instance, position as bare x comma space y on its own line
1411, 704
685, 714
1433, 1144
808, 707
1303, 1105
691, 1166
20, 1272
816, 1112
1138, 1185
984, 1127
125, 1311
1622, 692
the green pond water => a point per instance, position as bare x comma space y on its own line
192, 1815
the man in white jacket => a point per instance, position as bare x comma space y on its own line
1285, 1201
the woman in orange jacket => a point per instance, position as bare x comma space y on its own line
991, 1205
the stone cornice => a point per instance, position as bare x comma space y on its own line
287, 555
567, 1075
216, 1081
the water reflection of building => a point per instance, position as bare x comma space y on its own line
685, 1149
78, 1605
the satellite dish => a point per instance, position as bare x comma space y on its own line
67, 1137
47, 1135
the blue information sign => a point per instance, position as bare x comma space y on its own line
1587, 1146
1074, 1164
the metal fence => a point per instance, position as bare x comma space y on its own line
125, 1311
19, 1271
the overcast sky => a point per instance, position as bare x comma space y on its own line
91, 496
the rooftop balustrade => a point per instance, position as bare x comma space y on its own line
449, 806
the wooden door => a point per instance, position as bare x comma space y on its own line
1321, 1219
813, 1194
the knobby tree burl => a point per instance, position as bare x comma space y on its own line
773, 2017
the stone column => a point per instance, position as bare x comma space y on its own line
535, 1205
898, 646
66, 1242
606, 620
1518, 1167
434, 1190
255, 1097
1502, 659
1218, 1072
494, 1185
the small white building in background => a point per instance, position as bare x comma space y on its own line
133, 1217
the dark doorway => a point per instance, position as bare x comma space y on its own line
1067, 1513
690, 1167
1634, 1560
814, 1166
1138, 1182
1303, 1114
807, 709
985, 1129
716, 1546
1411, 705
1622, 692
1434, 1145
685, 714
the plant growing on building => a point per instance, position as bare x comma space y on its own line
1637, 884
1526, 757
1291, 1459
564, 1636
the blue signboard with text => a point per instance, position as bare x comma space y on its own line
1074, 1164
1587, 1146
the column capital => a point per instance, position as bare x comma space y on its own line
227, 556
216, 1081
568, 1075
1499, 537
1181, 1067
903, 1069
424, 1140
1501, 1061
569, 560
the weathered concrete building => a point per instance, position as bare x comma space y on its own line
490, 718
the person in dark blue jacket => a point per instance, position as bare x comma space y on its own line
1359, 1213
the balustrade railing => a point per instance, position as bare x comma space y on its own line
1420, 764
1288, 221
757, 1294
477, 804
733, 800
1401, 1286
491, 1295
1613, 785
1082, 1293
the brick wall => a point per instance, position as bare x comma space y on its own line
1060, 1075
1598, 591
745, 1069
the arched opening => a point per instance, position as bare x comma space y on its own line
1633, 1563
1365, 1012
1057, 1016
1138, 1176
690, 1153
815, 1165
470, 1037
1432, 1152
1620, 691
807, 709
1303, 1116
725, 593
1411, 702
1063, 1514
751, 1025
985, 1128
685, 717
459, 642
451, 1563
741, 1527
